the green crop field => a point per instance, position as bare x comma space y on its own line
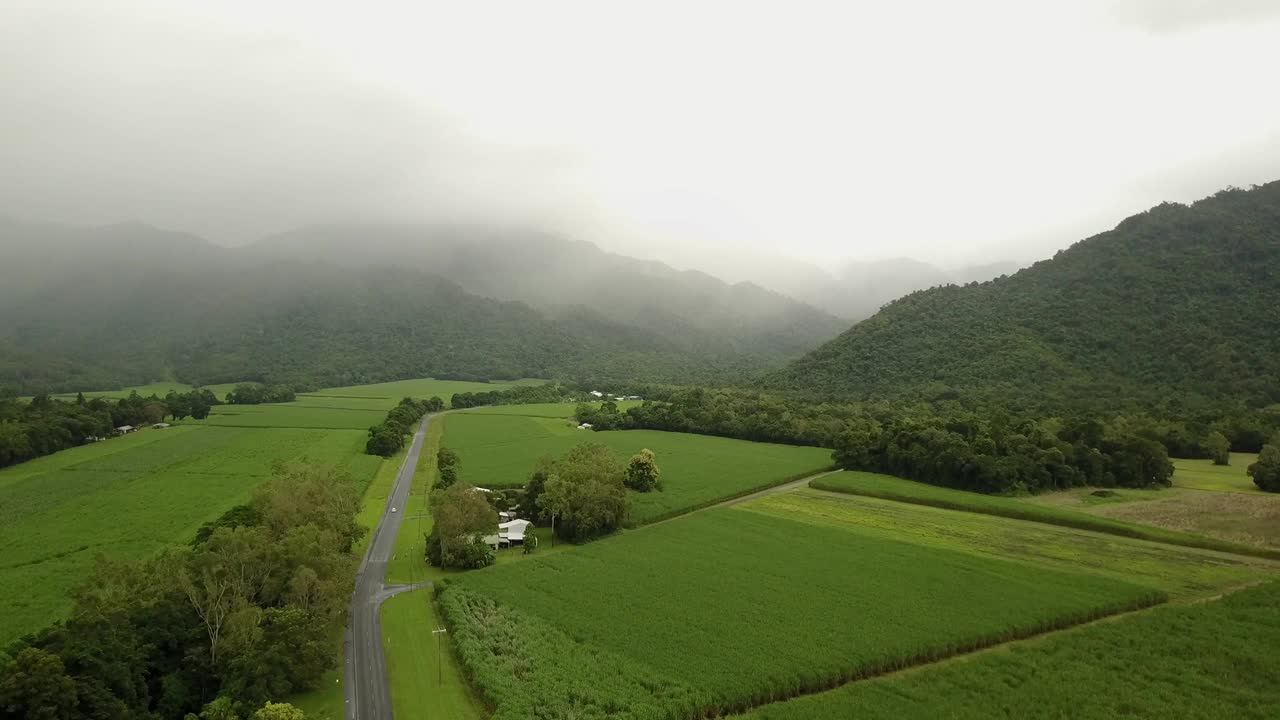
892, 488
1213, 660
292, 415
1183, 573
128, 497
1204, 475
729, 609
422, 387
500, 451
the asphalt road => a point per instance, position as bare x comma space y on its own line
367, 690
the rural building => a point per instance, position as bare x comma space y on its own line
585, 426
509, 533
160, 426
597, 393
126, 429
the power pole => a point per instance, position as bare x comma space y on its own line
439, 656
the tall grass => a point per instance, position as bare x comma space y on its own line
892, 488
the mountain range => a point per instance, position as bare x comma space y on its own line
1175, 303
94, 307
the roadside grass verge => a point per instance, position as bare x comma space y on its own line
426, 683
1210, 660
892, 488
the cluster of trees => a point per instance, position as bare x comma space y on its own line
461, 517
251, 394
447, 462
991, 450
242, 618
519, 395
46, 425
387, 437
1266, 471
971, 453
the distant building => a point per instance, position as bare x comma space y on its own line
126, 429
585, 426
597, 393
160, 426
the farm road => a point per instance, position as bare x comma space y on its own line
367, 690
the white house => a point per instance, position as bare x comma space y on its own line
585, 426
513, 531
125, 429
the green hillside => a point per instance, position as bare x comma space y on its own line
1181, 299
106, 307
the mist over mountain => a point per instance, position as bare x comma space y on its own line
1178, 301
95, 307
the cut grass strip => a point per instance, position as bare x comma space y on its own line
892, 488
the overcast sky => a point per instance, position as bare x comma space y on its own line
689, 131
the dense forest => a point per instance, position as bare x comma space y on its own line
1176, 305
101, 308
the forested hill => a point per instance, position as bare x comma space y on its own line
577, 282
92, 308
1175, 303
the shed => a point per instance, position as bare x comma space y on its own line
160, 426
125, 429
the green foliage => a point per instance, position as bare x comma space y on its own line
388, 437
643, 474
892, 488
251, 394
1266, 472
519, 395
1171, 662
246, 615
1219, 448
461, 517
447, 462
825, 606
35, 686
584, 493
1175, 305
279, 711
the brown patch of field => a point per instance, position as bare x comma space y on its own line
1253, 519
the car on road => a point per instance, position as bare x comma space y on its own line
393, 509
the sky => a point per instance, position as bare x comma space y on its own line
708, 134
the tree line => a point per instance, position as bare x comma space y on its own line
213, 632
993, 451
388, 437
251, 394
519, 395
46, 425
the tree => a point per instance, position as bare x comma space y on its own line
447, 462
279, 711
643, 474
585, 493
435, 404
462, 516
1219, 448
35, 686
1266, 472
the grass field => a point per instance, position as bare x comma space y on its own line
422, 687
1181, 572
1204, 475
892, 488
1212, 660
500, 450
729, 608
127, 497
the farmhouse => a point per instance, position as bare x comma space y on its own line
509, 533
126, 429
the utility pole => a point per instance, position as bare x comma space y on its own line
439, 656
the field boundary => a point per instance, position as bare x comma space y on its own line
1083, 522
797, 479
